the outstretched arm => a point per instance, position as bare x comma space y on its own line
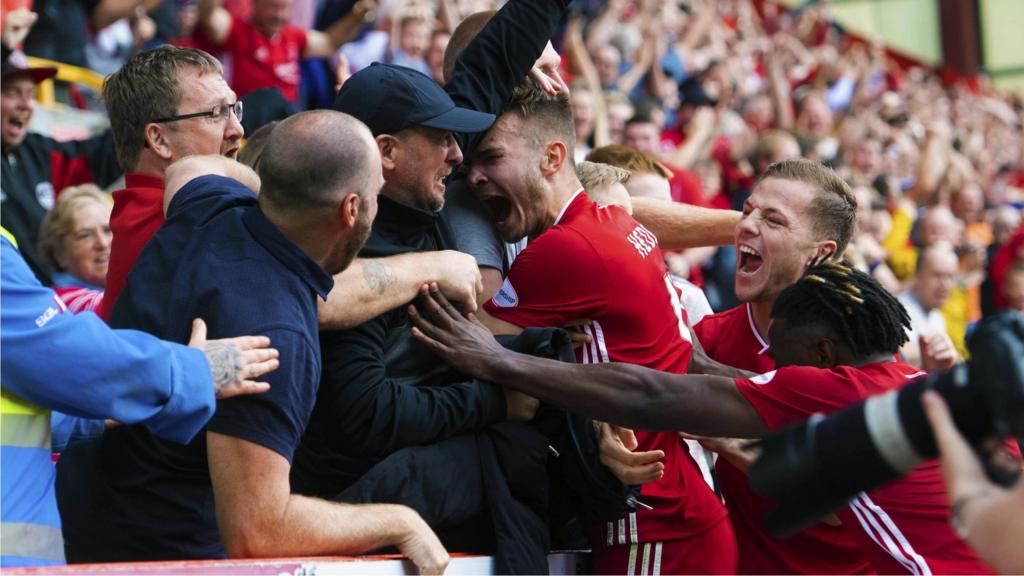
372, 286
679, 226
324, 44
624, 394
259, 517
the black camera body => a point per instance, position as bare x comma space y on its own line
814, 468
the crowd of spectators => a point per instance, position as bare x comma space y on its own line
685, 102
714, 91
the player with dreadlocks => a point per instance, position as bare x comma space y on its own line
835, 334
836, 315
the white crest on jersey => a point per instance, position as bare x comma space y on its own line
506, 297
763, 378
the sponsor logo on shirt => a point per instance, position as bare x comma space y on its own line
46, 316
506, 297
763, 378
642, 240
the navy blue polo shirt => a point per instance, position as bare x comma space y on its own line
217, 257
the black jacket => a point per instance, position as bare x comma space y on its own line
505, 489
36, 171
381, 390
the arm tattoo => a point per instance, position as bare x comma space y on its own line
377, 277
225, 364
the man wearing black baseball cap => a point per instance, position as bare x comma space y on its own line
413, 120
377, 394
36, 167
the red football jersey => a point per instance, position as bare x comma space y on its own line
138, 213
731, 337
903, 527
600, 264
261, 62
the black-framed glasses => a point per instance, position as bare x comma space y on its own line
220, 111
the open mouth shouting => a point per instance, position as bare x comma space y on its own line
750, 260
498, 206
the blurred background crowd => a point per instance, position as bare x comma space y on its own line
709, 92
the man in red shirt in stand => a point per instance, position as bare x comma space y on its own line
835, 334
598, 264
163, 105
266, 50
173, 102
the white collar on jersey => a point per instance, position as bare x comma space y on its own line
753, 328
566, 207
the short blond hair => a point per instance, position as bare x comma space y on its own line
59, 222
834, 207
594, 175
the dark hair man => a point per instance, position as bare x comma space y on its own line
834, 336
467, 68
169, 103
228, 492
585, 262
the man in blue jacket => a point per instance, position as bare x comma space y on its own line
76, 364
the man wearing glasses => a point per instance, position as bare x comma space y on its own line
164, 105
169, 103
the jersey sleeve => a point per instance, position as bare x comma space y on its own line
707, 333
558, 278
793, 393
276, 418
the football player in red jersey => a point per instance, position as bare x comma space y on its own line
797, 212
835, 334
598, 264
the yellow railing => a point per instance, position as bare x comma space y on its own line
65, 73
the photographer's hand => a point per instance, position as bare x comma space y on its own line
989, 517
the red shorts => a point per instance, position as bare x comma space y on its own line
712, 551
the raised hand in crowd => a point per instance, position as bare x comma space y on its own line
17, 26
937, 352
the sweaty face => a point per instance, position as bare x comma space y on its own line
425, 157
775, 239
204, 135
506, 179
17, 103
85, 253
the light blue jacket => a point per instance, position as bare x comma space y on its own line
75, 364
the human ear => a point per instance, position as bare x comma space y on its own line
156, 140
825, 353
826, 250
349, 210
554, 157
389, 147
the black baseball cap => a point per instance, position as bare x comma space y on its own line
15, 63
389, 98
